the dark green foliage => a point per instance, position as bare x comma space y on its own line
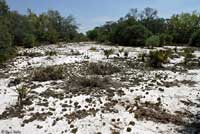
153, 41
134, 35
29, 41
165, 39
27, 30
195, 39
6, 49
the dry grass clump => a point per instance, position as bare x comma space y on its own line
48, 73
50, 53
101, 68
89, 81
155, 113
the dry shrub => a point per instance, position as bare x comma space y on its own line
48, 73
101, 68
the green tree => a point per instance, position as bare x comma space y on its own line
182, 26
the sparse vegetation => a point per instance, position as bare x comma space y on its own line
51, 53
101, 68
108, 52
22, 93
157, 58
48, 73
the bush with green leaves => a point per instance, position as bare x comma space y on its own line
157, 58
108, 52
29, 41
22, 93
195, 39
165, 39
153, 41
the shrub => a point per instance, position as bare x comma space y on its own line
89, 81
195, 39
108, 52
22, 94
153, 41
48, 73
51, 53
165, 39
30, 54
134, 35
93, 49
157, 58
29, 41
126, 54
101, 68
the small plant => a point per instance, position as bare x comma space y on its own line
75, 52
101, 68
126, 54
108, 52
157, 58
93, 49
48, 73
121, 50
51, 53
22, 94
142, 57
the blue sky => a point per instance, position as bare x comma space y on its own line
91, 13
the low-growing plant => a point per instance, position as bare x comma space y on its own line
51, 53
22, 93
73, 52
126, 54
157, 58
141, 57
48, 73
121, 50
31, 54
108, 52
89, 81
93, 49
101, 68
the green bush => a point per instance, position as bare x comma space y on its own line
29, 41
153, 41
7, 51
157, 58
195, 39
22, 93
134, 35
165, 39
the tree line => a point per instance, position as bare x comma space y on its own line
146, 28
32, 29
